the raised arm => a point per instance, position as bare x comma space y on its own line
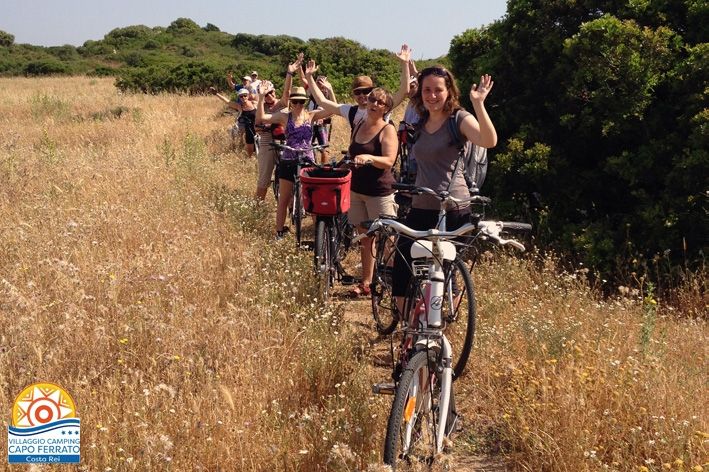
404, 57
263, 117
231, 104
230, 80
331, 91
327, 105
290, 70
480, 131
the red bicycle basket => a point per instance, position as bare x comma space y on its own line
326, 191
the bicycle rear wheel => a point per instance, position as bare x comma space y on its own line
298, 213
323, 259
383, 305
275, 183
459, 311
411, 428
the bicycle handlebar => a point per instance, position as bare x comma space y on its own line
492, 230
412, 233
489, 229
444, 196
285, 147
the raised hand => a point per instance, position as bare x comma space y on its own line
266, 86
310, 68
292, 68
479, 92
325, 83
405, 53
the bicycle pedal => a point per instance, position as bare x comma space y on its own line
348, 280
384, 388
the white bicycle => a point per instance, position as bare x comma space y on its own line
423, 412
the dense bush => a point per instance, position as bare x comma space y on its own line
601, 113
45, 67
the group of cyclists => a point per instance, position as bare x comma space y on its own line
301, 117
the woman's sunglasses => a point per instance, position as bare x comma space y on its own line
372, 99
298, 102
362, 91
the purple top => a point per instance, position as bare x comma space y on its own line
299, 137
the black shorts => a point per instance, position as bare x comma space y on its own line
248, 121
287, 170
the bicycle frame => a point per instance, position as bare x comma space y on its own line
424, 330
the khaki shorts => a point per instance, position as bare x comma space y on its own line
266, 159
365, 207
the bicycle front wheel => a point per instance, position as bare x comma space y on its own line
323, 259
411, 428
383, 305
459, 311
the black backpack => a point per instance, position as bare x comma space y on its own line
351, 116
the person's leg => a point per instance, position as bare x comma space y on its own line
250, 136
356, 214
284, 198
419, 220
266, 160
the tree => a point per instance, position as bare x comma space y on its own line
6, 39
599, 107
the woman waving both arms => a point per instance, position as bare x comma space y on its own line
373, 149
299, 134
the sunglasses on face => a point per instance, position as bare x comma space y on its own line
372, 99
297, 102
362, 91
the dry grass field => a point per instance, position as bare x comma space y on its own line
137, 273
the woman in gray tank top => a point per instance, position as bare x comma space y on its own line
436, 99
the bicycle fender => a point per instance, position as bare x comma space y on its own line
424, 249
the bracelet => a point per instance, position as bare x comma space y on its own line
289, 73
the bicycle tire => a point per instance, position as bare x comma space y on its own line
383, 306
323, 259
460, 312
411, 427
275, 183
297, 215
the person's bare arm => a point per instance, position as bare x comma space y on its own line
328, 106
404, 56
480, 131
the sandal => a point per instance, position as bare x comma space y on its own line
361, 290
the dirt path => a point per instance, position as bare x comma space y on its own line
358, 315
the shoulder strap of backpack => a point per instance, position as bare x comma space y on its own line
456, 139
351, 115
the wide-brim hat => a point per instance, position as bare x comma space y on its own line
246, 77
362, 82
243, 91
298, 93
253, 72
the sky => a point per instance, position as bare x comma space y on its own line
426, 25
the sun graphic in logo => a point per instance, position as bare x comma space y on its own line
40, 404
